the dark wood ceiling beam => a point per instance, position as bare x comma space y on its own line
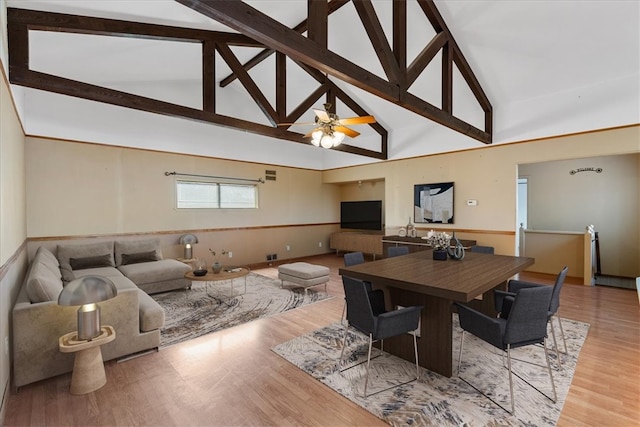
208, 73
400, 39
281, 86
306, 104
60, 22
378, 39
317, 11
249, 21
425, 57
423, 108
248, 83
333, 5
432, 13
447, 79
55, 84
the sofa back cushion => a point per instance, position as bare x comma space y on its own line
44, 282
136, 251
101, 250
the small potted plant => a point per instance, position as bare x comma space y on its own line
440, 242
217, 267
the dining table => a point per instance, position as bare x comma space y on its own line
418, 279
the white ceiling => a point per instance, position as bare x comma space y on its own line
548, 68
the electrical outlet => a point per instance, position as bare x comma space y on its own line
268, 257
230, 254
319, 244
288, 248
274, 257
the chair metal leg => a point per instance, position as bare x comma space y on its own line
564, 341
553, 385
415, 349
344, 343
366, 381
513, 404
555, 343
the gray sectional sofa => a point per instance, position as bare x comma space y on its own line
137, 268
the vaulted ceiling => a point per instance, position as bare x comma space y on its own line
437, 76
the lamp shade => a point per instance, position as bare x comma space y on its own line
87, 290
188, 239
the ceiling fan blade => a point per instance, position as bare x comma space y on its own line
322, 115
308, 135
357, 120
349, 132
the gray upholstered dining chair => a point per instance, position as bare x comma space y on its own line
353, 258
514, 286
366, 313
482, 249
397, 251
523, 322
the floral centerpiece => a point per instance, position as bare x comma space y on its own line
217, 267
438, 240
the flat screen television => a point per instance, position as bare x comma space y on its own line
361, 215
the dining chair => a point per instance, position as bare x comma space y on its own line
366, 313
397, 251
353, 258
482, 249
523, 323
514, 286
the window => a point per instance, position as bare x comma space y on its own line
215, 195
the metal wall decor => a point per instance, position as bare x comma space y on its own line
575, 171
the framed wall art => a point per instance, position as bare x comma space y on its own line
433, 203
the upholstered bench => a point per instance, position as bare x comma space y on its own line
304, 274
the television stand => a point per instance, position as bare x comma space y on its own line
357, 241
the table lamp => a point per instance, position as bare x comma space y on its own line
187, 240
86, 292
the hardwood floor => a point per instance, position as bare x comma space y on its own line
232, 378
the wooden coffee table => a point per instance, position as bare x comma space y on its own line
225, 274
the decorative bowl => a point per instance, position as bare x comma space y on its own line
199, 272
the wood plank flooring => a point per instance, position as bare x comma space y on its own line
232, 378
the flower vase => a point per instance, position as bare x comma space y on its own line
439, 255
217, 267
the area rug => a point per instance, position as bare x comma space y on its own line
435, 400
205, 309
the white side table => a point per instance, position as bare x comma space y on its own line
88, 368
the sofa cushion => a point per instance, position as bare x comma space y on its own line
91, 262
109, 272
50, 261
136, 247
66, 252
42, 284
139, 257
156, 271
151, 314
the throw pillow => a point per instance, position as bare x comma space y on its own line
139, 257
134, 247
91, 262
66, 252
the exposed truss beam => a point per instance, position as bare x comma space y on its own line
253, 23
21, 21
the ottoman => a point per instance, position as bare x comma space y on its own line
304, 274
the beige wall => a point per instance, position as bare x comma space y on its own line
78, 190
610, 200
488, 175
12, 223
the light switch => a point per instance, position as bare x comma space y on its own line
472, 202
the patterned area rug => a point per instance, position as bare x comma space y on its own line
204, 309
435, 400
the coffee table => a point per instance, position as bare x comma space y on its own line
225, 274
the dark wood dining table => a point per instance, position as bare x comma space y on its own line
417, 279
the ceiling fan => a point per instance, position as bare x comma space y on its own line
330, 129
